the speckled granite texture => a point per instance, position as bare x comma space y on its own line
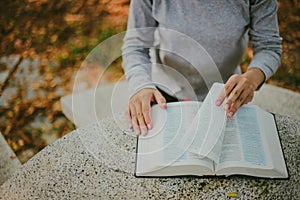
9, 162
97, 162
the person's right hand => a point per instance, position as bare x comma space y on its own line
138, 110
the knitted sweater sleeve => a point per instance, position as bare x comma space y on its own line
138, 39
264, 36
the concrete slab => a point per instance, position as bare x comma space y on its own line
93, 104
278, 101
98, 162
9, 163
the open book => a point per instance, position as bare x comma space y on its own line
194, 138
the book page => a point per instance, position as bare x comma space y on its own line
271, 141
243, 142
254, 149
231, 146
159, 149
178, 118
204, 136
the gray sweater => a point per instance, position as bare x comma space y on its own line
194, 43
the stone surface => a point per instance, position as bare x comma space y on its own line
97, 162
88, 106
278, 100
9, 163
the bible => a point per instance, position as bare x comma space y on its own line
192, 138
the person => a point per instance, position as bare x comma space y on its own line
222, 28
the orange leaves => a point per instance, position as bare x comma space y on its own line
71, 18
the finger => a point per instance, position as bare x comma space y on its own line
231, 84
234, 107
140, 119
134, 121
244, 98
160, 99
249, 98
233, 96
146, 107
221, 97
128, 117
228, 88
144, 130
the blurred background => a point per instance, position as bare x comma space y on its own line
43, 43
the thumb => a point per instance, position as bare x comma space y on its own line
160, 99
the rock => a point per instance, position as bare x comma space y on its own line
9, 163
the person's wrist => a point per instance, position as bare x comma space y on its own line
255, 76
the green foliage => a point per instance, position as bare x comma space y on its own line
105, 33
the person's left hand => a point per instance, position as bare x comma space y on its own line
239, 90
